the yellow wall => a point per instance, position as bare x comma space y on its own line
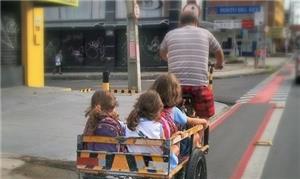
33, 44
279, 13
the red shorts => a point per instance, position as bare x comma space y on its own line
203, 100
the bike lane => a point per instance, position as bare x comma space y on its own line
234, 134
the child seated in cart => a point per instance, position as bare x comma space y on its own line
145, 156
144, 121
103, 120
169, 89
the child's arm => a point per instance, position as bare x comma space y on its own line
197, 121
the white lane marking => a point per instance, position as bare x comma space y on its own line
258, 159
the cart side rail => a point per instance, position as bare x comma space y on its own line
129, 164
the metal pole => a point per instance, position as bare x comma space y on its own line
133, 51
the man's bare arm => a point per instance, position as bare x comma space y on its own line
219, 59
163, 54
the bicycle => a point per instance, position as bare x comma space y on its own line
198, 161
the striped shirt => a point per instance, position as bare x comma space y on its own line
188, 49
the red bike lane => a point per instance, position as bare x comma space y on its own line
234, 134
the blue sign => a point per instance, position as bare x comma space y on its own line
237, 9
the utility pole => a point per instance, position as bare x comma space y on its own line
133, 50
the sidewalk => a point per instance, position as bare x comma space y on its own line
40, 125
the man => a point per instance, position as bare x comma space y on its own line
187, 51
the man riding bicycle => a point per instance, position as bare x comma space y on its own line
187, 51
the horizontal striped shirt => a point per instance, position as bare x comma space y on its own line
188, 49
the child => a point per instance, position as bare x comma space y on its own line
103, 120
169, 90
58, 62
144, 121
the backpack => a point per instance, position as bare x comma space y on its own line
112, 128
168, 123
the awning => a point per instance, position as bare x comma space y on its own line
73, 3
103, 24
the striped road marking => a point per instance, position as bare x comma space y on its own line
251, 93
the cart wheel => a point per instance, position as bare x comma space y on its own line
197, 166
180, 174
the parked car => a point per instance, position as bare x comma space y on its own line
297, 59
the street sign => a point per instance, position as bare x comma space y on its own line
227, 24
276, 32
136, 11
247, 23
237, 9
259, 18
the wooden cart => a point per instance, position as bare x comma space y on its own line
102, 164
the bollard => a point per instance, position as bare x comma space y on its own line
105, 81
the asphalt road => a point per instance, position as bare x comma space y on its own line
273, 120
226, 90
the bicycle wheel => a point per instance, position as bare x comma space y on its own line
197, 166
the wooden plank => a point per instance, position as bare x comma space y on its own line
134, 174
123, 140
178, 168
85, 153
186, 134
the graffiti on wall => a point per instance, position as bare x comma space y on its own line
9, 29
149, 46
10, 38
94, 49
149, 41
121, 48
150, 49
78, 47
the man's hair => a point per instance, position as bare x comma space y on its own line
187, 17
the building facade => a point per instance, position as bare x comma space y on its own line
242, 26
11, 63
93, 36
22, 41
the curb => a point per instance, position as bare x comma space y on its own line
264, 71
60, 164
98, 77
146, 77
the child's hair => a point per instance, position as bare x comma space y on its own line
106, 102
148, 105
168, 87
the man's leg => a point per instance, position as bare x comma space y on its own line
194, 91
204, 106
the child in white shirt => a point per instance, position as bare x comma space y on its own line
144, 121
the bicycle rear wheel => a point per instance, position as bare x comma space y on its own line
197, 166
